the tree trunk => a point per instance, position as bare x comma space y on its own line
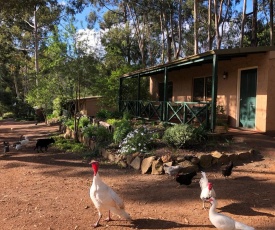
195, 27
243, 23
271, 23
209, 24
254, 24
217, 32
36, 46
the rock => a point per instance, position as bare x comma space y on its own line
122, 164
169, 163
166, 158
111, 156
188, 167
219, 158
180, 159
118, 158
205, 160
232, 157
195, 160
136, 163
243, 155
157, 167
146, 164
105, 153
129, 159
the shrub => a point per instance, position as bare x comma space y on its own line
69, 145
103, 114
99, 133
183, 135
69, 123
139, 140
8, 115
83, 122
121, 129
89, 131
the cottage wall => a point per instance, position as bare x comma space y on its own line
89, 106
270, 121
228, 89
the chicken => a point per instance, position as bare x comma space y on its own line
172, 170
17, 146
25, 141
22, 142
185, 179
207, 189
227, 169
105, 198
223, 222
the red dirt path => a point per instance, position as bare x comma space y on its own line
50, 191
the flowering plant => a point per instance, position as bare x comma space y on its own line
139, 140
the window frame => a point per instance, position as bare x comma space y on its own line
207, 89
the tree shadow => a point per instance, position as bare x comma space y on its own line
242, 209
162, 224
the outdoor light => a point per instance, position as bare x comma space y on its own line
225, 75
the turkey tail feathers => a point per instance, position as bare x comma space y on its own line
121, 213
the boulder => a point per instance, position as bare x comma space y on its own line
146, 164
205, 160
157, 167
219, 158
166, 158
188, 167
136, 163
233, 157
129, 159
244, 155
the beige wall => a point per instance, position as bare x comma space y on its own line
228, 89
89, 106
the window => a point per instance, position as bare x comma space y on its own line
202, 89
169, 91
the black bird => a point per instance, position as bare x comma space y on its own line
185, 179
227, 169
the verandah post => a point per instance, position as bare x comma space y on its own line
165, 106
214, 92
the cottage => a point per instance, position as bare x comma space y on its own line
88, 106
239, 83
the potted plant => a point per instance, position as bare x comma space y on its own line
221, 127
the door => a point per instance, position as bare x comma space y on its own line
248, 88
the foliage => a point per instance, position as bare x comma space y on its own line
52, 118
69, 123
69, 145
183, 135
99, 133
84, 121
139, 140
103, 114
121, 129
57, 107
8, 115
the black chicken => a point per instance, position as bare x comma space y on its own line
227, 169
185, 179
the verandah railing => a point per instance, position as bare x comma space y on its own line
173, 112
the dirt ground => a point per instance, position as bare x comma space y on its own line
50, 191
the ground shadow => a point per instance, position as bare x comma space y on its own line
162, 224
242, 209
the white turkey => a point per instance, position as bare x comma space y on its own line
207, 189
24, 141
223, 222
105, 198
